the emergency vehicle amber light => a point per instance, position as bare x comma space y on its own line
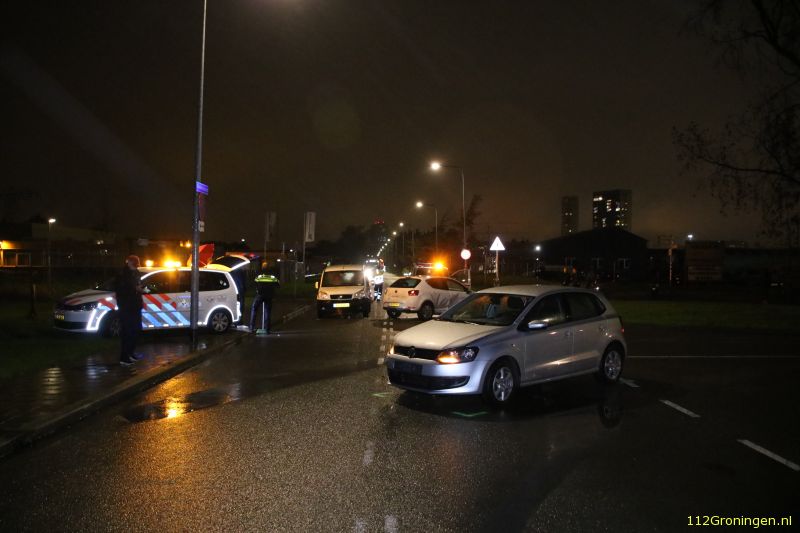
148, 263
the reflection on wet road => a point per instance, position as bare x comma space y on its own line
301, 432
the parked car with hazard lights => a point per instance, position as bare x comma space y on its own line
166, 303
500, 339
344, 289
425, 296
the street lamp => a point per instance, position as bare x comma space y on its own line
436, 166
50, 222
420, 205
195, 278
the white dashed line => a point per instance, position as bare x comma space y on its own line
369, 454
380, 360
360, 527
773, 456
390, 525
679, 408
713, 356
629, 383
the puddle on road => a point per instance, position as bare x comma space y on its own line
175, 407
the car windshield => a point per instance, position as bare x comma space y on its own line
342, 278
488, 309
405, 283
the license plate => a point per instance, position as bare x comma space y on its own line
408, 368
394, 304
59, 316
341, 305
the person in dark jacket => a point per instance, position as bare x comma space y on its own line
129, 291
266, 285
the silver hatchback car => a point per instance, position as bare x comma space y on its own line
500, 339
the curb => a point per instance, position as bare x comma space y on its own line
130, 387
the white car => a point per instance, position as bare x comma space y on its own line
502, 338
165, 305
422, 295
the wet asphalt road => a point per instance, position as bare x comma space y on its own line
300, 432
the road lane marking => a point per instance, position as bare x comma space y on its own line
380, 360
773, 456
629, 383
713, 356
361, 526
369, 454
679, 408
469, 415
390, 524
381, 394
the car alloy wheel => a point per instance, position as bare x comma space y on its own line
219, 322
426, 311
110, 326
612, 364
501, 383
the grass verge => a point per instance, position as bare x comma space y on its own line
732, 315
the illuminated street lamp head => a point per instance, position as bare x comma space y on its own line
401, 224
394, 233
436, 165
420, 204
538, 248
51, 221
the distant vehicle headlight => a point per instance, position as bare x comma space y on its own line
322, 295
457, 355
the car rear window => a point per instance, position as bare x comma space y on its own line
405, 283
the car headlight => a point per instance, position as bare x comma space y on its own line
457, 355
322, 295
360, 294
91, 306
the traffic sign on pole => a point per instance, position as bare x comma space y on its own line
497, 247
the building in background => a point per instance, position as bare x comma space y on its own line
612, 209
569, 215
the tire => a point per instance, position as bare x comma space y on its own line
425, 312
321, 313
611, 364
110, 325
393, 313
219, 322
501, 383
366, 312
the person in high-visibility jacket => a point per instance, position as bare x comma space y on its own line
266, 285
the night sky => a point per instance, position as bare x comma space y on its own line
338, 106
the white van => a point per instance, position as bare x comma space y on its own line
343, 288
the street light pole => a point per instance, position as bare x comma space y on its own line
436, 166
195, 281
435, 224
50, 223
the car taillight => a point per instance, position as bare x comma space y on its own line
413, 292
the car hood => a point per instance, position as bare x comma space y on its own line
87, 296
348, 289
438, 334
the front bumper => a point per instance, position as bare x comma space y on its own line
345, 306
423, 375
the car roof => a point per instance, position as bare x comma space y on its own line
150, 270
531, 290
336, 268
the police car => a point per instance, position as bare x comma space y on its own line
165, 304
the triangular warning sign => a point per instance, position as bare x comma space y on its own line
497, 246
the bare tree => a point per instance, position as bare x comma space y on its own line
754, 161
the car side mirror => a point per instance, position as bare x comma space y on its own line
537, 325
